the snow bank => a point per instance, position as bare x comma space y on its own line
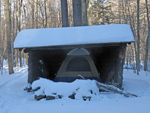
79, 87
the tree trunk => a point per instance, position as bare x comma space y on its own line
84, 13
64, 13
16, 58
77, 13
146, 54
19, 27
0, 36
119, 10
89, 13
32, 8
45, 10
36, 13
25, 27
27, 57
138, 40
25, 19
2, 39
20, 58
13, 32
9, 54
148, 38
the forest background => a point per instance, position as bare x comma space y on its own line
16, 15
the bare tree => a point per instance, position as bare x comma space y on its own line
77, 13
84, 12
13, 30
36, 13
32, 10
70, 12
64, 13
16, 31
138, 40
45, 14
19, 27
148, 38
0, 36
9, 54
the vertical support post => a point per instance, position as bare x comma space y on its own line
30, 68
33, 64
120, 57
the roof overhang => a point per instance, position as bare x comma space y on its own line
67, 36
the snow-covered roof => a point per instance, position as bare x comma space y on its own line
115, 33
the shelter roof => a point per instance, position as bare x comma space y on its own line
100, 34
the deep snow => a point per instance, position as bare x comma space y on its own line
13, 99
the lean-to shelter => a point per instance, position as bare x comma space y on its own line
48, 48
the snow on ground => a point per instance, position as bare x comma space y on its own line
13, 99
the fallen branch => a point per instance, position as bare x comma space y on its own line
111, 88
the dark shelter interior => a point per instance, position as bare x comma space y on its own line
108, 58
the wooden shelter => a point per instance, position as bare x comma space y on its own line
49, 47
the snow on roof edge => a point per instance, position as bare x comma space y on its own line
47, 37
